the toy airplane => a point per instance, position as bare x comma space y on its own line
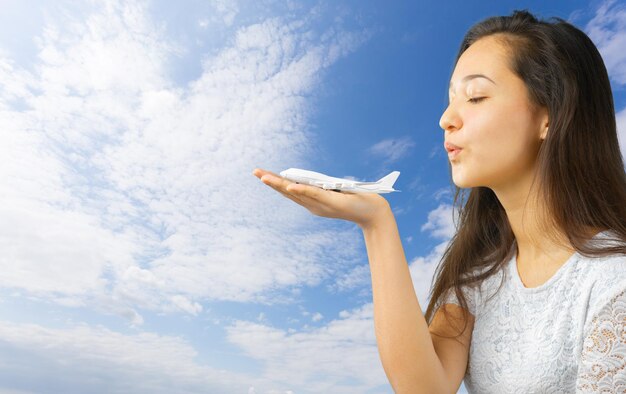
383, 185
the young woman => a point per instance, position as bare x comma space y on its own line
530, 295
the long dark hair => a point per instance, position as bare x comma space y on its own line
580, 171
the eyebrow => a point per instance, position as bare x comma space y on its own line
473, 76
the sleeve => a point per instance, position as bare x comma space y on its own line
602, 367
449, 297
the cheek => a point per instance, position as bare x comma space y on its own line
503, 129
499, 143
522, 134
487, 131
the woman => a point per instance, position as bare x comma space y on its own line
530, 295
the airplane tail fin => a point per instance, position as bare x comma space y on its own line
388, 180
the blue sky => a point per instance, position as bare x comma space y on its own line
141, 255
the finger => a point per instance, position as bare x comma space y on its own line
310, 197
322, 200
280, 184
276, 181
259, 172
295, 189
308, 191
290, 196
269, 178
315, 206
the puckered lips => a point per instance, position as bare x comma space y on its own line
452, 149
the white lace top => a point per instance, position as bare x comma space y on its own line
567, 335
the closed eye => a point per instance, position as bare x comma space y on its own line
476, 100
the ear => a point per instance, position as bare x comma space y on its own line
544, 133
544, 125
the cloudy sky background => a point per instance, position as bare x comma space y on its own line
141, 255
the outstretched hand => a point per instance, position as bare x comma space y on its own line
360, 208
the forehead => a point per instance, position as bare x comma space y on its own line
486, 56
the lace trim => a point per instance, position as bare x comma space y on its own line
603, 360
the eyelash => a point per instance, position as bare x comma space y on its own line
476, 100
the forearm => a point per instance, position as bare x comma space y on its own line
404, 342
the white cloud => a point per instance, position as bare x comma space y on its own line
53, 243
441, 222
203, 23
422, 272
317, 317
184, 304
103, 361
446, 192
607, 29
346, 347
416, 183
340, 357
441, 226
357, 277
13, 391
392, 149
121, 190
227, 9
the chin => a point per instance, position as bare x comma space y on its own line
464, 179
462, 183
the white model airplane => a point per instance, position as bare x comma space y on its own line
383, 185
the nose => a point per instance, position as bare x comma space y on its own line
450, 120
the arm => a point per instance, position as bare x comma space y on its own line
404, 342
412, 361
602, 365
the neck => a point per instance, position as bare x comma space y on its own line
538, 242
